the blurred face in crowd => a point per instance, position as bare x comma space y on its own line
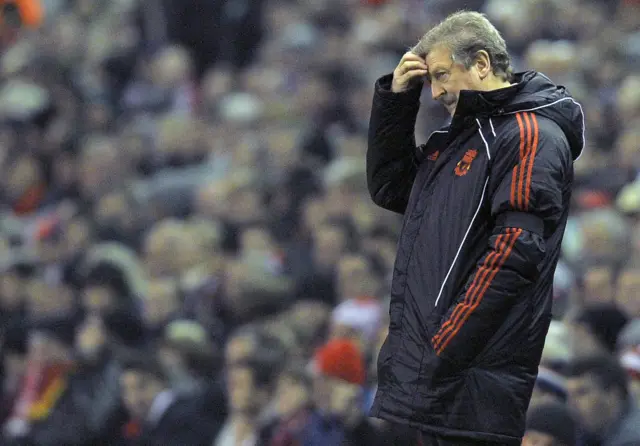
238, 348
100, 169
138, 392
23, 175
98, 299
245, 205
314, 214
355, 278
113, 211
583, 341
291, 396
91, 337
535, 438
256, 240
245, 397
10, 291
161, 249
44, 299
211, 200
329, 244
627, 290
596, 407
161, 303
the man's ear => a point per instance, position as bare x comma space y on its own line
483, 64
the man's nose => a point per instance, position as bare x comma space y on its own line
436, 91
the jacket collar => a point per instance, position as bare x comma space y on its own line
473, 103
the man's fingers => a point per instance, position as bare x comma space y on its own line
410, 66
410, 75
411, 57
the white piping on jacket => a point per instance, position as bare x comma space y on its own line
493, 130
584, 142
473, 219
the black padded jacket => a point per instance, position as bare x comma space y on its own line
485, 203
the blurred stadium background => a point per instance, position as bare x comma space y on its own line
185, 180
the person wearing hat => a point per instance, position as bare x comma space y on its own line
339, 375
550, 424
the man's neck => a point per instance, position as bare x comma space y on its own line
497, 84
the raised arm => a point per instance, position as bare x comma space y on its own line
391, 164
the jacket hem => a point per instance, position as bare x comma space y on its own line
506, 440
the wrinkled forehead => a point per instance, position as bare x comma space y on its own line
439, 57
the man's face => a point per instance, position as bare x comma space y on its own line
10, 290
98, 298
241, 389
161, 303
330, 244
138, 392
91, 337
595, 406
238, 348
535, 438
291, 396
448, 78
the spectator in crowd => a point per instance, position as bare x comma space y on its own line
338, 394
550, 424
162, 417
249, 383
90, 410
292, 409
598, 390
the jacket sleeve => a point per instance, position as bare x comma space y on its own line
391, 164
527, 205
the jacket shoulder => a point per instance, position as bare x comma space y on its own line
519, 133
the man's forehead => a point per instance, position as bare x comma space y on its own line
438, 57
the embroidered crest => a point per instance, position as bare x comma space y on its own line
464, 164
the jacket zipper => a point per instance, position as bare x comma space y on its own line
473, 219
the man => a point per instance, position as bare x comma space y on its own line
485, 203
164, 419
550, 424
598, 390
249, 389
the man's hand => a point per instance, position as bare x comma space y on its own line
409, 71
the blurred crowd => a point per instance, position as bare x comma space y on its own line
188, 251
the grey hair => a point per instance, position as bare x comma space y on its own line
465, 33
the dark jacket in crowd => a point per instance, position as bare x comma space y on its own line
179, 422
323, 431
89, 411
485, 203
